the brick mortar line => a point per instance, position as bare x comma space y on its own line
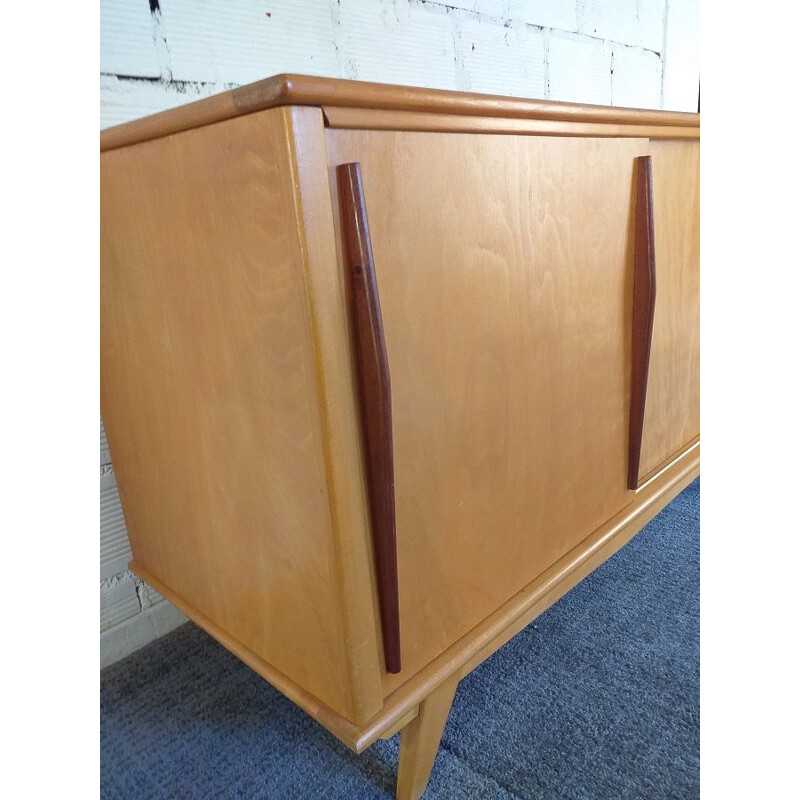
179, 84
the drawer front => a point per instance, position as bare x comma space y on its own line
504, 270
672, 407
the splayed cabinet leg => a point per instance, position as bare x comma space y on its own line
420, 740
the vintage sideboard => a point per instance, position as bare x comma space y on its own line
386, 371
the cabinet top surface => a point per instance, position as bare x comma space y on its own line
303, 90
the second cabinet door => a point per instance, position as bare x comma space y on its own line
504, 272
672, 408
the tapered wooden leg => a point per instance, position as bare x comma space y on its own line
420, 739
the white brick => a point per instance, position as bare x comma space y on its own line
637, 78
124, 100
127, 43
500, 60
561, 14
139, 630
579, 70
149, 596
115, 550
634, 22
241, 41
118, 601
682, 56
396, 43
105, 458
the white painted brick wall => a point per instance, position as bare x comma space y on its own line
105, 458
187, 49
636, 78
489, 53
122, 100
579, 69
246, 40
544, 13
127, 44
635, 22
115, 552
396, 43
682, 44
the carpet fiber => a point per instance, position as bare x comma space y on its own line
598, 698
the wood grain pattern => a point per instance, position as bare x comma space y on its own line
644, 306
375, 400
484, 639
420, 740
299, 90
502, 265
672, 410
382, 119
210, 390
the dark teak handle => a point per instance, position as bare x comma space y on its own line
376, 401
644, 308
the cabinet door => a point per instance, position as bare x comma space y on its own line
503, 266
672, 406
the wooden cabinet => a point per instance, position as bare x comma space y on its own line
369, 373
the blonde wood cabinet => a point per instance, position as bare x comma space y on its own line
386, 371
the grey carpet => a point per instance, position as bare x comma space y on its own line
598, 698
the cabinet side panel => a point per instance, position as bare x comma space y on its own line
672, 409
209, 391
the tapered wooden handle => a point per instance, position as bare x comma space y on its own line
376, 401
644, 309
